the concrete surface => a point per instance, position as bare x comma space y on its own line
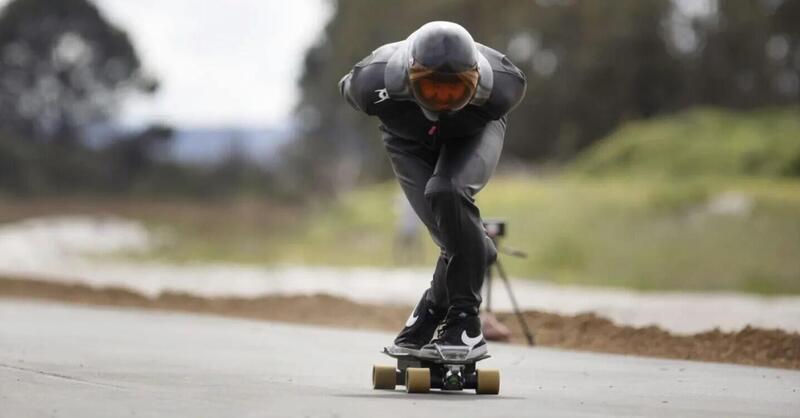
58, 360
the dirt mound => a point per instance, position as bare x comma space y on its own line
751, 346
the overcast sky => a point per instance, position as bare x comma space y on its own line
230, 63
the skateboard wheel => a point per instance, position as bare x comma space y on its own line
383, 377
418, 380
488, 382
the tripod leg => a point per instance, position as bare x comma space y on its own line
488, 284
523, 324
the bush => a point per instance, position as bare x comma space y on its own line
701, 142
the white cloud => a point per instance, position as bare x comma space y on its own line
230, 62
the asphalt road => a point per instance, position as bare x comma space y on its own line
58, 360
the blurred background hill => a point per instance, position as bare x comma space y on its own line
658, 146
701, 142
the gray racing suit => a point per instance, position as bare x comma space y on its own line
442, 164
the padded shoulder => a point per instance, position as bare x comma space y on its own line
509, 84
380, 55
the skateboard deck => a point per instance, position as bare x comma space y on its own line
448, 371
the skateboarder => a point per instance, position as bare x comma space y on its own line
442, 99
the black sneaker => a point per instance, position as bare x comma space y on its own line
460, 338
419, 329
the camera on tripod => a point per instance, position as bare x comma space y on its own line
495, 228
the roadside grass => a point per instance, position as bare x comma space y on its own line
700, 234
644, 234
704, 234
240, 230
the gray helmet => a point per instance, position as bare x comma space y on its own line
443, 71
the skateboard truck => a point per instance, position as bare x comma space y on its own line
453, 379
450, 371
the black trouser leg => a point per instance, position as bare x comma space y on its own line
441, 181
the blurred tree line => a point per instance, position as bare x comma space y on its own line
591, 66
63, 71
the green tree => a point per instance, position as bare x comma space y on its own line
62, 66
749, 55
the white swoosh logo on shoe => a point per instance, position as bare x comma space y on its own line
411, 319
470, 342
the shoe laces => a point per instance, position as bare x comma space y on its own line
448, 323
442, 330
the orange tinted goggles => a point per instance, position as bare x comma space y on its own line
443, 91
